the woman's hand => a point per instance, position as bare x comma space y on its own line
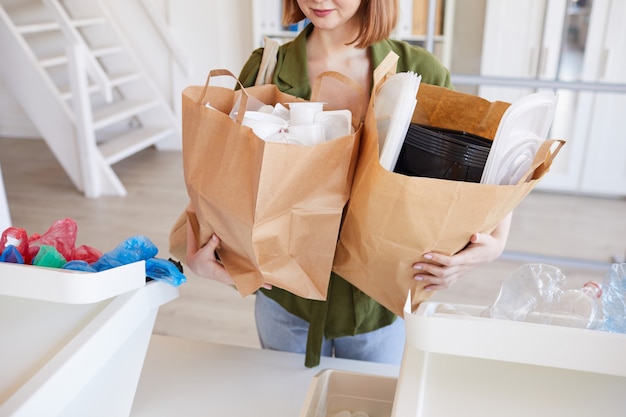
203, 261
441, 271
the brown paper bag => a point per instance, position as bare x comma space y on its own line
277, 208
392, 219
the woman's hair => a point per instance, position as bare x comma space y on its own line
378, 18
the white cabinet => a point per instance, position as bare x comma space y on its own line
517, 44
604, 162
541, 39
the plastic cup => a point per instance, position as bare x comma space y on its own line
303, 113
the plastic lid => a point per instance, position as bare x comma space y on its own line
593, 288
523, 127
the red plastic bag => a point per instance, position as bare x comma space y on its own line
61, 234
85, 253
17, 237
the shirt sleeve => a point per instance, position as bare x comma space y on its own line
419, 60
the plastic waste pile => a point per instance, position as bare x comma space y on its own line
56, 248
536, 293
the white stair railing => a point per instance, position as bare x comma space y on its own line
92, 165
71, 33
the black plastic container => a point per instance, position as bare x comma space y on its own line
444, 154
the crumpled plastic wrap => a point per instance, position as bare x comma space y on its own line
56, 248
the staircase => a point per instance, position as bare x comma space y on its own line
83, 87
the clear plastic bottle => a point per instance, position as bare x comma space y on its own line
525, 291
614, 299
579, 308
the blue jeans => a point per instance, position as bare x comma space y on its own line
280, 330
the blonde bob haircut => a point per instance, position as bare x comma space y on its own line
378, 18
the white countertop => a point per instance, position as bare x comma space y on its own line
189, 378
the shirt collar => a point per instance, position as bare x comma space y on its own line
293, 73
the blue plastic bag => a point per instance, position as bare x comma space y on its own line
134, 249
164, 270
12, 255
79, 265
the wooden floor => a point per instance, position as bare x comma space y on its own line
580, 235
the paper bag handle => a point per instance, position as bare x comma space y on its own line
315, 91
386, 68
354, 101
244, 94
543, 159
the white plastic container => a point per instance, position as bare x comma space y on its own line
458, 363
74, 343
334, 391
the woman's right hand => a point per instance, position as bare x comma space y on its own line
203, 261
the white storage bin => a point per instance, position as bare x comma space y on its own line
333, 391
73, 343
457, 363
463, 364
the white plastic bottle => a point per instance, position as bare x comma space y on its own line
579, 308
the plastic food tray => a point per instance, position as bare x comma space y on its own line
333, 391
66, 286
524, 125
455, 361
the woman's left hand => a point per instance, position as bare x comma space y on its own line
440, 271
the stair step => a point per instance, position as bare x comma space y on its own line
121, 147
116, 81
39, 27
89, 22
48, 26
119, 111
53, 61
61, 59
106, 50
120, 79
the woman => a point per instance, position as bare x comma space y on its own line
349, 37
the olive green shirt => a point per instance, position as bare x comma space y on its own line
347, 311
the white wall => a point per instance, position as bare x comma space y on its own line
212, 34
13, 121
5, 215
